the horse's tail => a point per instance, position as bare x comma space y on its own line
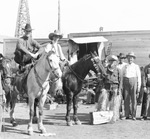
102, 101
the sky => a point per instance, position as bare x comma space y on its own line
77, 16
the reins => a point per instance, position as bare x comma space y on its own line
38, 78
78, 76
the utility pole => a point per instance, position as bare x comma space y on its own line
59, 16
23, 17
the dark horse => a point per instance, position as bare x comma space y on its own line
73, 79
8, 74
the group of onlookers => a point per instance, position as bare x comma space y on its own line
125, 86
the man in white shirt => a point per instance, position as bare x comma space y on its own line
55, 46
131, 85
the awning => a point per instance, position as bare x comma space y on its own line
89, 39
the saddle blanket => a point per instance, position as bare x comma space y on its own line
100, 117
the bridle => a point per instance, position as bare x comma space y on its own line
94, 61
38, 78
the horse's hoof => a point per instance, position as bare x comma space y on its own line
30, 133
69, 123
43, 131
30, 130
78, 122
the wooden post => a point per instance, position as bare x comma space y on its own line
59, 15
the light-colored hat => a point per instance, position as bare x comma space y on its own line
55, 33
112, 58
131, 54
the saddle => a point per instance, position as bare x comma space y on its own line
21, 79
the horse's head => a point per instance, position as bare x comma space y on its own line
56, 87
98, 66
56, 73
53, 61
6, 67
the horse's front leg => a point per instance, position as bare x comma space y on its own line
35, 119
12, 117
41, 105
41, 127
31, 114
75, 107
13, 101
69, 96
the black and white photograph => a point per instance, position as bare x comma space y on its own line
75, 69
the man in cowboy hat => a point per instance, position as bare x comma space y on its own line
55, 46
26, 47
131, 85
112, 86
121, 58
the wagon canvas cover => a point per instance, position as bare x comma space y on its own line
89, 39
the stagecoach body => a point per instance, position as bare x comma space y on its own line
78, 47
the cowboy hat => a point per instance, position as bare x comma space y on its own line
121, 56
112, 58
55, 33
28, 28
131, 54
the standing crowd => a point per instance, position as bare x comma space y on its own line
125, 86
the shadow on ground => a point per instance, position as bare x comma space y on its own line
60, 117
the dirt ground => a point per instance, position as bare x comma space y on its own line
54, 121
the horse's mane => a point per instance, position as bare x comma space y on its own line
44, 55
85, 57
7, 59
10, 61
79, 64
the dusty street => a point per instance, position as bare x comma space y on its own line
54, 121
